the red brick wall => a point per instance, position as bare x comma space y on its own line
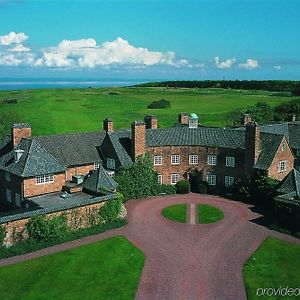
19, 133
138, 133
220, 170
80, 170
30, 187
281, 155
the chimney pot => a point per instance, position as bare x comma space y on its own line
19, 131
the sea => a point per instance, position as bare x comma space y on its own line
46, 83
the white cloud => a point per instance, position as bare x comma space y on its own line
250, 64
224, 64
9, 60
277, 68
13, 38
19, 48
85, 53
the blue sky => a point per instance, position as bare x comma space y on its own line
204, 39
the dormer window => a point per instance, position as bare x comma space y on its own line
193, 121
110, 164
283, 146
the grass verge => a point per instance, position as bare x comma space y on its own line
176, 212
109, 269
276, 264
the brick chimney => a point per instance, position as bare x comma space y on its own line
246, 119
183, 118
151, 122
108, 125
19, 131
138, 139
252, 146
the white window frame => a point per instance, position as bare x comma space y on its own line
175, 159
211, 160
44, 179
175, 178
282, 166
230, 161
193, 123
211, 179
96, 166
111, 163
160, 178
7, 176
229, 181
8, 196
193, 159
157, 160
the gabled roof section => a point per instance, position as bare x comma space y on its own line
291, 183
34, 161
201, 136
269, 144
73, 149
99, 182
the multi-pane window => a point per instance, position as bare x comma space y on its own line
174, 178
211, 179
211, 160
229, 181
230, 161
159, 178
96, 166
8, 195
193, 159
175, 159
7, 176
110, 164
157, 160
282, 166
40, 179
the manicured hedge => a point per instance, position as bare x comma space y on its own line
183, 187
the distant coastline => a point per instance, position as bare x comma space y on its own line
44, 83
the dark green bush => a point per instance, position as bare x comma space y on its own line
10, 101
42, 229
202, 187
183, 187
167, 189
2, 235
111, 209
163, 103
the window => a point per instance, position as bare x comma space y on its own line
159, 178
8, 195
283, 146
40, 179
174, 178
282, 166
18, 200
211, 179
211, 160
230, 161
193, 159
175, 159
157, 160
229, 181
110, 164
193, 123
7, 176
96, 166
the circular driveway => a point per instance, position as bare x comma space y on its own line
185, 261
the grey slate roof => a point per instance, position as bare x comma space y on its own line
202, 136
269, 145
34, 161
291, 130
291, 183
73, 149
99, 181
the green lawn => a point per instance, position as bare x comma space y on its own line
275, 264
52, 111
209, 214
176, 212
108, 269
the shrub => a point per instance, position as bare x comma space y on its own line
2, 235
111, 209
183, 187
202, 187
167, 189
42, 229
159, 104
10, 101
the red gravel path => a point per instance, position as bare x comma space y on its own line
203, 261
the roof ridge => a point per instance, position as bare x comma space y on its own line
67, 134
